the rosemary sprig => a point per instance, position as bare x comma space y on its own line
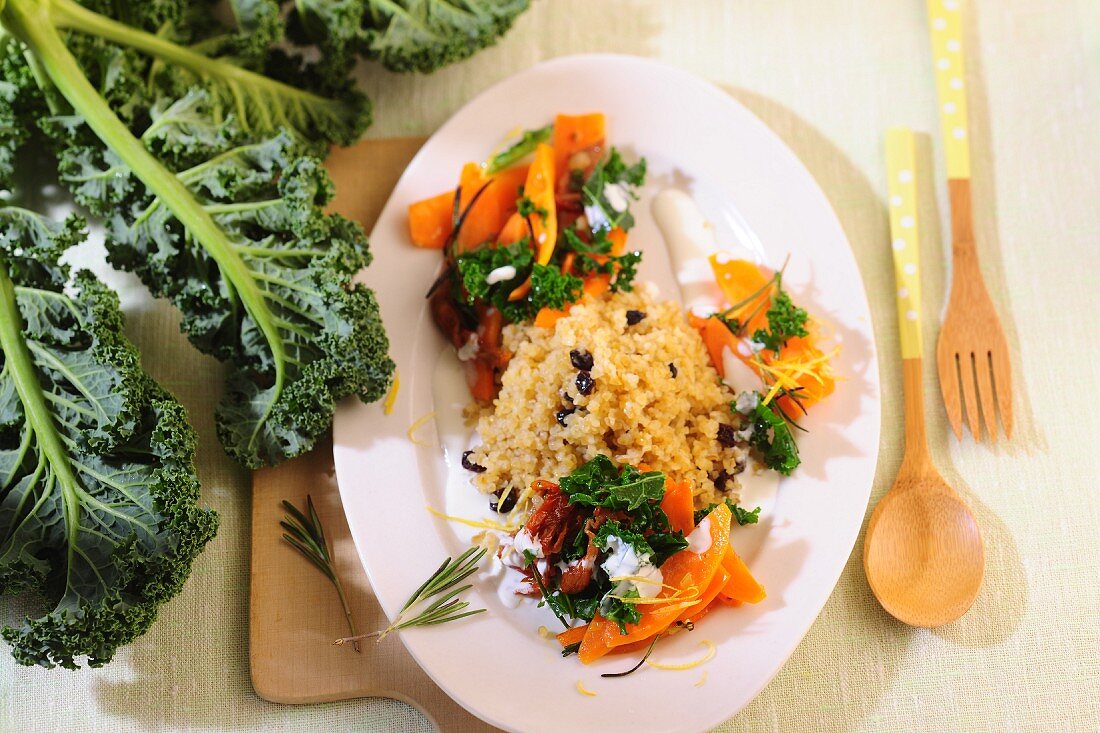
441, 585
306, 534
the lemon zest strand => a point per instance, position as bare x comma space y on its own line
702, 680
581, 689
477, 523
640, 579
711, 651
391, 396
420, 422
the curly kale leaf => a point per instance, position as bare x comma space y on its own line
550, 288
213, 197
785, 321
279, 304
595, 257
403, 35
612, 177
475, 266
98, 493
600, 483
424, 35
741, 515
772, 436
622, 610
131, 68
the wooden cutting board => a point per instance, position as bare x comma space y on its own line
295, 613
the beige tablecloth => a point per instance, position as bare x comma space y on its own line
828, 76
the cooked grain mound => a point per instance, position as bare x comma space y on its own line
654, 399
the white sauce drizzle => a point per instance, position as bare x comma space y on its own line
699, 540
500, 275
738, 374
690, 240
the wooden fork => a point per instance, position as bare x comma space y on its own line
972, 354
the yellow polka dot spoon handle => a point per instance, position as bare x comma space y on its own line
902, 187
971, 353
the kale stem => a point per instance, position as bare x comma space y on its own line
68, 14
24, 376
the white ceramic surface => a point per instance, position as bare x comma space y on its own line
760, 199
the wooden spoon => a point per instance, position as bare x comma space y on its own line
923, 552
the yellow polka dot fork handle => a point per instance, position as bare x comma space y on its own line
945, 27
904, 236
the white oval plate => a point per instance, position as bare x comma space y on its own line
759, 196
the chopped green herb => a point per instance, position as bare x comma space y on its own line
595, 257
742, 515
612, 171
474, 268
549, 287
772, 436
600, 483
527, 208
621, 610
785, 321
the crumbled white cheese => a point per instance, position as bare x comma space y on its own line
624, 561
699, 540
747, 401
500, 275
616, 196
469, 349
597, 219
748, 347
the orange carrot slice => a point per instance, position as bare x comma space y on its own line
679, 505
574, 133
549, 317
740, 281
515, 229
430, 220
741, 585
489, 213
573, 635
717, 338
693, 614
617, 237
